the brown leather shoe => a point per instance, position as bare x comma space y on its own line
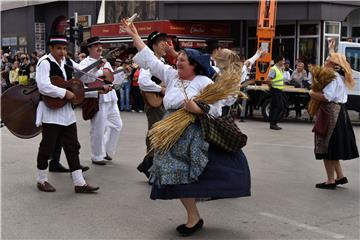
45, 187
85, 189
102, 162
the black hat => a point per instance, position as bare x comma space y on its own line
202, 59
93, 40
57, 39
153, 37
211, 44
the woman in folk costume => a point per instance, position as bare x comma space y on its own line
329, 95
191, 169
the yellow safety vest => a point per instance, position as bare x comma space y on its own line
278, 81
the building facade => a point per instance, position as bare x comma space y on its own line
26, 25
302, 27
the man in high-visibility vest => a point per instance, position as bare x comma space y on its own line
275, 80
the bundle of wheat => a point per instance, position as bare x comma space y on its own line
164, 134
322, 76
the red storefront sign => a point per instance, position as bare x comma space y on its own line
178, 28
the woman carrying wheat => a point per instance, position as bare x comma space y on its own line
189, 169
334, 135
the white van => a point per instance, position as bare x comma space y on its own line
352, 52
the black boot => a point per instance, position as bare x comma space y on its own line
275, 127
145, 165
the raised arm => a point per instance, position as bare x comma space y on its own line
146, 59
132, 31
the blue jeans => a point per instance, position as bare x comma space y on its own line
124, 100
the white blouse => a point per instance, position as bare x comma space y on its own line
336, 90
175, 88
65, 115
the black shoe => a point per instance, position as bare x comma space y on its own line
108, 158
185, 231
57, 168
242, 119
341, 181
144, 171
102, 162
275, 127
145, 165
324, 185
84, 168
85, 189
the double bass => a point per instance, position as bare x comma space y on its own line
19, 104
18, 110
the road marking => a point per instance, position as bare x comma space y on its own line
303, 225
283, 145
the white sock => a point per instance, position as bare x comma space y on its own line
78, 178
42, 176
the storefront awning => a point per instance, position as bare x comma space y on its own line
176, 28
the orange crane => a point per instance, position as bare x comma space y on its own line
265, 35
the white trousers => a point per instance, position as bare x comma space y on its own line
105, 130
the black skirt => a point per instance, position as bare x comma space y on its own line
226, 175
342, 144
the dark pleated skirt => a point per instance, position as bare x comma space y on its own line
342, 144
226, 175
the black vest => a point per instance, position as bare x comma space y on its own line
56, 71
155, 80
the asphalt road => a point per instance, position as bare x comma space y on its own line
284, 202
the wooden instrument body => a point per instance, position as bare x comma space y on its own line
74, 85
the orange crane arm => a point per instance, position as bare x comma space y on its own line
265, 34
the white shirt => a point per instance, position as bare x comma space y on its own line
110, 96
174, 94
245, 70
286, 75
120, 78
65, 115
145, 82
336, 90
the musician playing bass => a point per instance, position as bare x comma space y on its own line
107, 118
57, 123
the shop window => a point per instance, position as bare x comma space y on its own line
308, 50
284, 48
309, 29
251, 31
356, 32
332, 27
252, 47
285, 30
344, 31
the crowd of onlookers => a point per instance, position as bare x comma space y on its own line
300, 77
18, 69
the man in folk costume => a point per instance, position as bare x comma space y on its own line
57, 123
157, 42
212, 48
106, 124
